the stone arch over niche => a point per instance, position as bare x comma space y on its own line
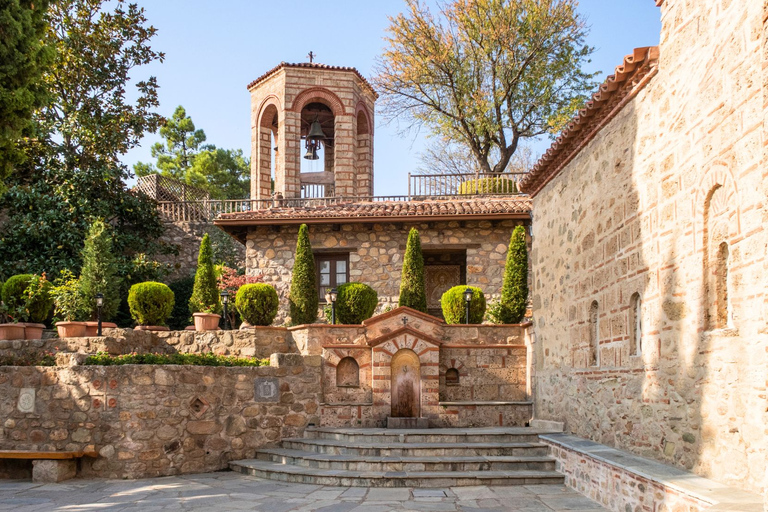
406, 384
363, 176
318, 95
348, 373
268, 126
719, 177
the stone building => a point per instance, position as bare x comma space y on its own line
649, 254
355, 236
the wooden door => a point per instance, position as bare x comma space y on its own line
406, 384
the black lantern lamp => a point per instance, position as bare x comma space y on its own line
467, 301
99, 305
224, 301
333, 294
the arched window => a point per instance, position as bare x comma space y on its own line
594, 334
451, 377
721, 280
348, 373
635, 325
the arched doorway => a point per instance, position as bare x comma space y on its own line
406, 384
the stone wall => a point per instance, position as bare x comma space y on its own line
185, 238
645, 208
492, 374
376, 253
159, 420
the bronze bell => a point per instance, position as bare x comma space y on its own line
315, 132
312, 153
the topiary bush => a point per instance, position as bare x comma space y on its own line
302, 298
257, 303
355, 302
514, 288
27, 297
13, 291
412, 289
151, 303
205, 294
495, 185
454, 307
99, 271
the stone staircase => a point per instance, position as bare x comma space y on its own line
438, 457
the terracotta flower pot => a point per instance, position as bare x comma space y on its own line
33, 331
92, 328
151, 328
206, 321
11, 331
71, 329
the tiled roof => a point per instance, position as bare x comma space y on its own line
312, 65
386, 211
609, 99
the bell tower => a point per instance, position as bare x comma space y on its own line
316, 114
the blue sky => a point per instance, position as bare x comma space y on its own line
214, 49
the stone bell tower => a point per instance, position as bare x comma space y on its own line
317, 113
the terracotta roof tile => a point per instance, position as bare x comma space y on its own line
609, 99
312, 65
385, 211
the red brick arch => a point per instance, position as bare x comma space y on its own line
321, 95
362, 108
718, 176
270, 100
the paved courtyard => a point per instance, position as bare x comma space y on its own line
232, 491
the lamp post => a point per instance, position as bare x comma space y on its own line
333, 294
99, 305
467, 300
224, 301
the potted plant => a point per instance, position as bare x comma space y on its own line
10, 329
38, 304
204, 303
99, 275
16, 305
69, 305
151, 305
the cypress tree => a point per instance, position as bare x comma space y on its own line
514, 289
302, 298
205, 293
412, 289
99, 271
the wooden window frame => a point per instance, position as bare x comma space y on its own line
333, 258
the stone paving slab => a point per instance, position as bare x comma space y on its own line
225, 491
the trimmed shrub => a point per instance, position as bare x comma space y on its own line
257, 303
13, 290
22, 302
182, 292
514, 288
454, 307
205, 294
151, 303
412, 288
355, 302
495, 185
208, 359
302, 298
99, 272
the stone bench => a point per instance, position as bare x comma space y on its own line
49, 466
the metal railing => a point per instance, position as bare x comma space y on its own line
463, 184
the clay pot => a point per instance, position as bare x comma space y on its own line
151, 328
11, 331
189, 328
91, 328
206, 321
71, 329
33, 331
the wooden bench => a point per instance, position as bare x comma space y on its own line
50, 466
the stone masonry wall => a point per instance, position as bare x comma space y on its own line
645, 208
185, 237
159, 420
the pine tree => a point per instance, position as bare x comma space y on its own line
302, 297
205, 294
99, 271
412, 290
514, 289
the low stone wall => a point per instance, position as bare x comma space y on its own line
158, 420
258, 342
484, 414
485, 373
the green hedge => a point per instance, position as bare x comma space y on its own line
257, 303
514, 289
454, 308
14, 297
355, 302
412, 288
302, 298
494, 185
104, 359
151, 303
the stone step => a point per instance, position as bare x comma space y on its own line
408, 464
432, 435
410, 449
339, 477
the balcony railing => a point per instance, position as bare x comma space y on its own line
463, 184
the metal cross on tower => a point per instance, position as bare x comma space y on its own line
311, 56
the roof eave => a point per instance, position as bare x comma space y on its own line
222, 222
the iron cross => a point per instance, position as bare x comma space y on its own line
311, 56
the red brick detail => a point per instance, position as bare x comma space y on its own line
321, 95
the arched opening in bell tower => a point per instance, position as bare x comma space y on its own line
317, 150
267, 159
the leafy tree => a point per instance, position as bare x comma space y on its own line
99, 272
224, 173
302, 297
182, 143
205, 294
514, 288
23, 56
486, 73
412, 288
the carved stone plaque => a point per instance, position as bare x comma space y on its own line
267, 389
27, 400
438, 279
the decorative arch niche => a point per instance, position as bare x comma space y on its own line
348, 373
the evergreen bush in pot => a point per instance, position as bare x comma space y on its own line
454, 306
514, 288
204, 303
412, 289
302, 297
355, 302
151, 304
257, 303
